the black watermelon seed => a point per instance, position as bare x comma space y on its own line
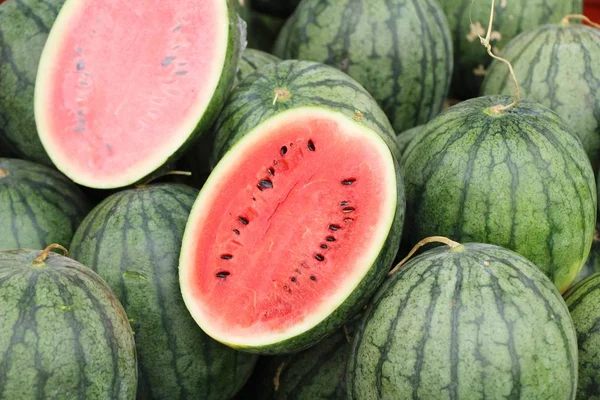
348, 181
344, 203
243, 220
236, 231
293, 279
271, 170
313, 278
319, 257
265, 184
323, 246
334, 227
283, 150
311, 145
223, 274
348, 209
226, 256
330, 239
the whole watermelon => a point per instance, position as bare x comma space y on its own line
558, 66
24, 28
471, 322
38, 206
583, 301
63, 334
468, 19
400, 50
132, 240
518, 179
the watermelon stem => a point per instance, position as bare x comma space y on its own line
499, 109
44, 254
281, 95
3, 173
567, 20
432, 239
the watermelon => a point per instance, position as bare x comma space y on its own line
518, 179
132, 240
400, 51
316, 373
38, 206
468, 19
175, 65
279, 8
471, 321
311, 205
557, 66
24, 27
63, 334
583, 301
251, 61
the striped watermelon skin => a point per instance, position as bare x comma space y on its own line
477, 321
557, 66
24, 28
38, 206
251, 61
309, 84
399, 50
316, 373
63, 334
467, 19
132, 240
520, 181
583, 300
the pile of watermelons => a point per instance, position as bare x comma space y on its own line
299, 199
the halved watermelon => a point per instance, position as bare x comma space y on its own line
293, 230
123, 87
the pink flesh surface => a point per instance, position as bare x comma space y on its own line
128, 74
275, 278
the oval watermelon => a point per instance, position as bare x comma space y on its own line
557, 66
583, 301
132, 240
38, 206
143, 83
400, 51
473, 321
63, 334
269, 275
24, 28
468, 19
518, 179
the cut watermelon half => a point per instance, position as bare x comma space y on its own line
124, 86
290, 231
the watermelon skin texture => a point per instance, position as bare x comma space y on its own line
557, 66
63, 334
474, 322
309, 84
317, 373
24, 28
520, 181
399, 50
132, 240
583, 301
251, 61
313, 85
38, 206
510, 18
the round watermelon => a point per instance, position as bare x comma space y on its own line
400, 51
583, 301
557, 66
469, 19
516, 178
24, 28
472, 321
38, 206
113, 107
310, 206
132, 240
63, 334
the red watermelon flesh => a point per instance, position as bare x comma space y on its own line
123, 84
288, 223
